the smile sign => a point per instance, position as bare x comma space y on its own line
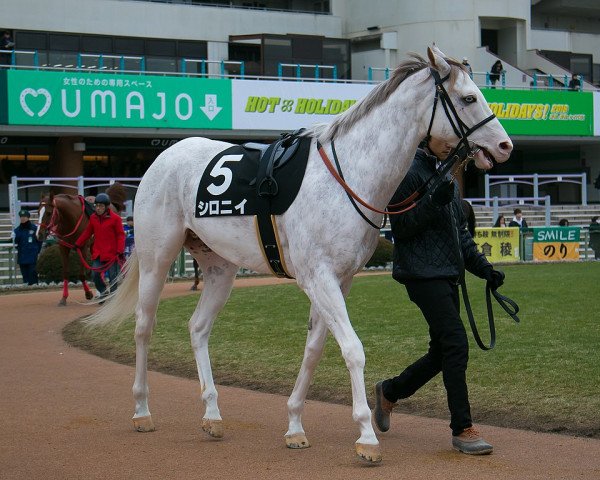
103, 100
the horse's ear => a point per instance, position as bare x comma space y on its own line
436, 58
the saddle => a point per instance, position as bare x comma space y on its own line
259, 180
272, 157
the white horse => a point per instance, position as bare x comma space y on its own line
324, 240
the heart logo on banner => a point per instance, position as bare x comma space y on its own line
40, 91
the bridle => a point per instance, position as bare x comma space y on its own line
52, 225
463, 151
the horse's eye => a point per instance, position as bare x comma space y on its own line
470, 99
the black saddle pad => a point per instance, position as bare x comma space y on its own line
228, 186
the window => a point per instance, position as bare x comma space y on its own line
196, 50
32, 40
96, 44
129, 46
160, 47
64, 42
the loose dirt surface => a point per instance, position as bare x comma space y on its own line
66, 414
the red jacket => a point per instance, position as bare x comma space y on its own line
109, 237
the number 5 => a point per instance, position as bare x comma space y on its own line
220, 171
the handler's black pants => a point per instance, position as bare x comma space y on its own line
448, 350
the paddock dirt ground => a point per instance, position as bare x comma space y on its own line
66, 414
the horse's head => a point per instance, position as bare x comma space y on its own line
485, 134
45, 212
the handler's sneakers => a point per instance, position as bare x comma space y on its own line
383, 409
471, 443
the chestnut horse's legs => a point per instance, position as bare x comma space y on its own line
64, 257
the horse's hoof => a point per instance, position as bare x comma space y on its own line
296, 440
89, 295
369, 453
194, 288
63, 302
143, 424
213, 427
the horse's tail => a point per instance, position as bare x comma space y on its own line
121, 304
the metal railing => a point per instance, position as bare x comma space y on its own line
298, 69
535, 180
101, 58
547, 81
385, 70
203, 63
80, 186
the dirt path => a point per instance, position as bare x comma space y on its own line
66, 414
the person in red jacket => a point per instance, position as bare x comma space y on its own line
109, 243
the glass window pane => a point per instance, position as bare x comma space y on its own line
160, 64
192, 49
64, 42
96, 44
31, 40
160, 47
129, 46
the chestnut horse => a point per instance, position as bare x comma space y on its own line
66, 217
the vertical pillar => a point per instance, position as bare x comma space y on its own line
67, 159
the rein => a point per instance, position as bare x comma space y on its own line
504, 302
462, 151
52, 226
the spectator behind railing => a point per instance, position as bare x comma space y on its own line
500, 221
6, 44
575, 83
495, 72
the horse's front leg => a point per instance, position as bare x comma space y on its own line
218, 281
327, 298
315, 343
64, 256
82, 271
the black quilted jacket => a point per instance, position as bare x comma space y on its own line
424, 247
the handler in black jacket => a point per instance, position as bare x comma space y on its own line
432, 246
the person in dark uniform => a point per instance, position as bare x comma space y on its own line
28, 248
432, 247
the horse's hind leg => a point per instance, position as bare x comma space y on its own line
154, 263
315, 343
219, 275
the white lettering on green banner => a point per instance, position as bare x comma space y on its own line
115, 100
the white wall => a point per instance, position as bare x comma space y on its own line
147, 19
453, 26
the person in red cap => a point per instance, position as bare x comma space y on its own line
109, 243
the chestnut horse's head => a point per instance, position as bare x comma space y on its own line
60, 215
45, 212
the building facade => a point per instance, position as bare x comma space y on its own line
348, 44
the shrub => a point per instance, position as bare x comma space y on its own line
382, 254
49, 265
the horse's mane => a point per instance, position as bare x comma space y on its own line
377, 96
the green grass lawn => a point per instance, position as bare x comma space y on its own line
544, 373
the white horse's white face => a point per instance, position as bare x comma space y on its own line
491, 139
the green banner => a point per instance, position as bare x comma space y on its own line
546, 113
115, 100
556, 234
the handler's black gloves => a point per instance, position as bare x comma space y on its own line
495, 278
443, 193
